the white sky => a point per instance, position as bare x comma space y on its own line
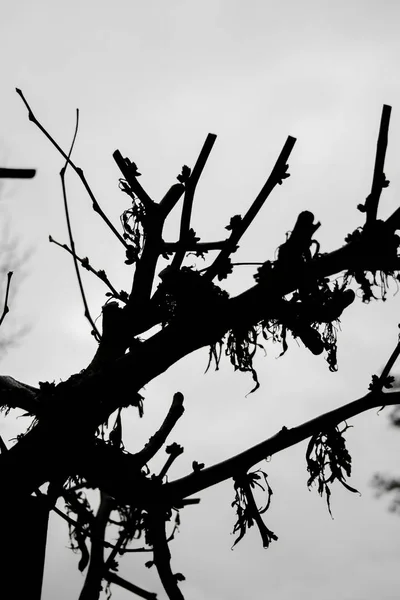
152, 79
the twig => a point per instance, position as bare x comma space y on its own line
378, 180
6, 309
174, 451
158, 439
71, 239
277, 175
78, 170
189, 196
16, 173
86, 265
388, 367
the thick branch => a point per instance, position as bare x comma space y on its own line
195, 482
14, 394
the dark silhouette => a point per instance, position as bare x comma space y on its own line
68, 445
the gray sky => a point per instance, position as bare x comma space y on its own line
152, 79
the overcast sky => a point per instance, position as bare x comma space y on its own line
152, 79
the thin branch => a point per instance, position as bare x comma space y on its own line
131, 587
16, 173
378, 180
6, 308
388, 367
86, 265
174, 451
278, 174
78, 170
71, 239
158, 439
190, 189
285, 438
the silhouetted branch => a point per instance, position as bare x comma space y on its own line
378, 181
6, 309
192, 246
190, 188
130, 173
162, 555
378, 383
86, 265
6, 173
78, 170
174, 450
71, 239
278, 174
285, 438
14, 394
131, 587
158, 439
92, 586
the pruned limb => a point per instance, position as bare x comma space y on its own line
189, 196
71, 238
131, 587
378, 181
92, 586
86, 265
129, 171
162, 554
14, 394
276, 177
158, 439
6, 308
78, 170
174, 450
16, 173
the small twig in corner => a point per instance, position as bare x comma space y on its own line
78, 170
86, 265
71, 239
6, 307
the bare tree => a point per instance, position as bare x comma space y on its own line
294, 296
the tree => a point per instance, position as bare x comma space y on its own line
69, 445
